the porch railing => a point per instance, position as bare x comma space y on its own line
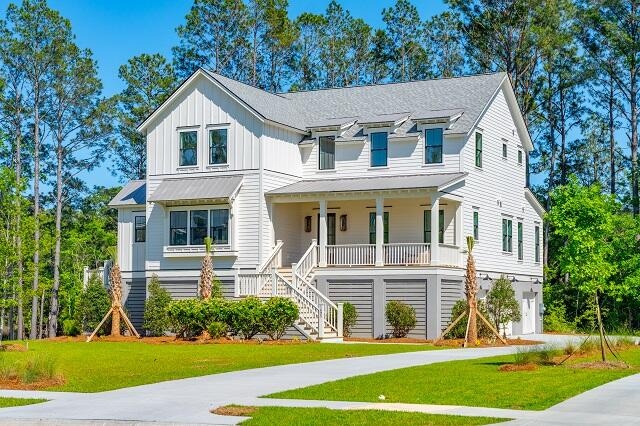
406, 254
254, 284
450, 255
351, 254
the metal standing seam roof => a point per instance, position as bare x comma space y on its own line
133, 193
369, 184
205, 188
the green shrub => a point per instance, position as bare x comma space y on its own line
349, 318
93, 304
524, 356
536, 355
217, 329
278, 313
70, 327
401, 317
555, 319
245, 317
39, 368
187, 317
502, 304
459, 331
156, 319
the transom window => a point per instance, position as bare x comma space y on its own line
140, 224
189, 148
327, 153
427, 226
194, 225
379, 149
218, 146
433, 146
507, 235
478, 149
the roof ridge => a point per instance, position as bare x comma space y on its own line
216, 75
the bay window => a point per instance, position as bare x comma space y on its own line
190, 226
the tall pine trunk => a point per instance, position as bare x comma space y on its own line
54, 303
36, 209
552, 164
612, 139
634, 146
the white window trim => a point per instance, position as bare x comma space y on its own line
480, 168
207, 148
509, 218
423, 137
335, 145
199, 249
185, 129
370, 146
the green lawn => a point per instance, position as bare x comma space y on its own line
474, 382
324, 416
15, 402
101, 366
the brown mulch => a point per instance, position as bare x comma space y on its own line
518, 367
600, 365
389, 340
234, 410
162, 340
17, 384
454, 343
13, 347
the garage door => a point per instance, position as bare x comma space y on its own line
360, 294
528, 313
414, 294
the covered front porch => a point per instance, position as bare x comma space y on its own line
375, 229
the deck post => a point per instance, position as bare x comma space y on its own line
340, 323
274, 282
379, 230
322, 225
321, 321
435, 229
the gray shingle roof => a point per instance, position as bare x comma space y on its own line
190, 189
427, 98
439, 180
132, 194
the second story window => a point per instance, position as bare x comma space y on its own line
178, 228
379, 149
140, 229
519, 156
478, 149
536, 236
372, 227
427, 226
189, 148
476, 225
218, 146
198, 226
504, 150
507, 235
520, 242
433, 146
327, 153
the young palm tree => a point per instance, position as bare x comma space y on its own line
115, 280
206, 273
471, 291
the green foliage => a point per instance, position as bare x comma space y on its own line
70, 327
245, 317
502, 304
459, 331
541, 356
278, 313
93, 304
401, 317
349, 318
33, 369
555, 319
156, 319
217, 329
187, 317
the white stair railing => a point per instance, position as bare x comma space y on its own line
274, 260
253, 284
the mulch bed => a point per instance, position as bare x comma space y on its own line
600, 365
453, 343
518, 367
13, 347
233, 410
17, 384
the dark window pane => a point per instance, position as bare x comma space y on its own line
218, 146
178, 228
433, 145
220, 226
372, 227
327, 152
427, 226
188, 148
379, 144
441, 226
198, 226
479, 149
476, 226
504, 150
140, 229
520, 242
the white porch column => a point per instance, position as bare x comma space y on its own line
323, 234
459, 225
379, 230
435, 228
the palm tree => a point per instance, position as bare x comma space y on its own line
471, 291
206, 273
115, 280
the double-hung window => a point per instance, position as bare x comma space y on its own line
427, 226
219, 226
189, 148
198, 227
520, 242
140, 223
433, 146
478, 149
476, 225
327, 153
372, 227
504, 150
218, 146
178, 228
507, 235
379, 149
537, 243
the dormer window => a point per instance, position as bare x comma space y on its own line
189, 148
379, 149
327, 152
218, 146
433, 146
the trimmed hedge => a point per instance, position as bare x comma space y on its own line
245, 318
349, 318
401, 317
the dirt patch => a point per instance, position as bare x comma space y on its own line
600, 365
17, 384
518, 367
484, 343
389, 340
234, 410
172, 340
13, 347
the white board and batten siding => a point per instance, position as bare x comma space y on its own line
131, 255
496, 191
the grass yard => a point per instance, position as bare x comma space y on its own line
324, 416
101, 366
474, 382
16, 402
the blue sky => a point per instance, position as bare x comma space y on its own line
116, 30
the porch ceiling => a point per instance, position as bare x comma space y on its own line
436, 182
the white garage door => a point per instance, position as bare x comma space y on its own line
528, 313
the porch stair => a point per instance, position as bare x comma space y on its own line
319, 318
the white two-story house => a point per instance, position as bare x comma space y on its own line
361, 194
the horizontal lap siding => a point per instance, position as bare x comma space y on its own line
134, 302
360, 294
414, 294
451, 292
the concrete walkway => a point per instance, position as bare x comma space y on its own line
189, 400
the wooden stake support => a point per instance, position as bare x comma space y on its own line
124, 317
466, 314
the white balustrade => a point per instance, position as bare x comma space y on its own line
253, 284
406, 254
351, 254
450, 255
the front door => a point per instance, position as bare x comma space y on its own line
331, 229
528, 313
